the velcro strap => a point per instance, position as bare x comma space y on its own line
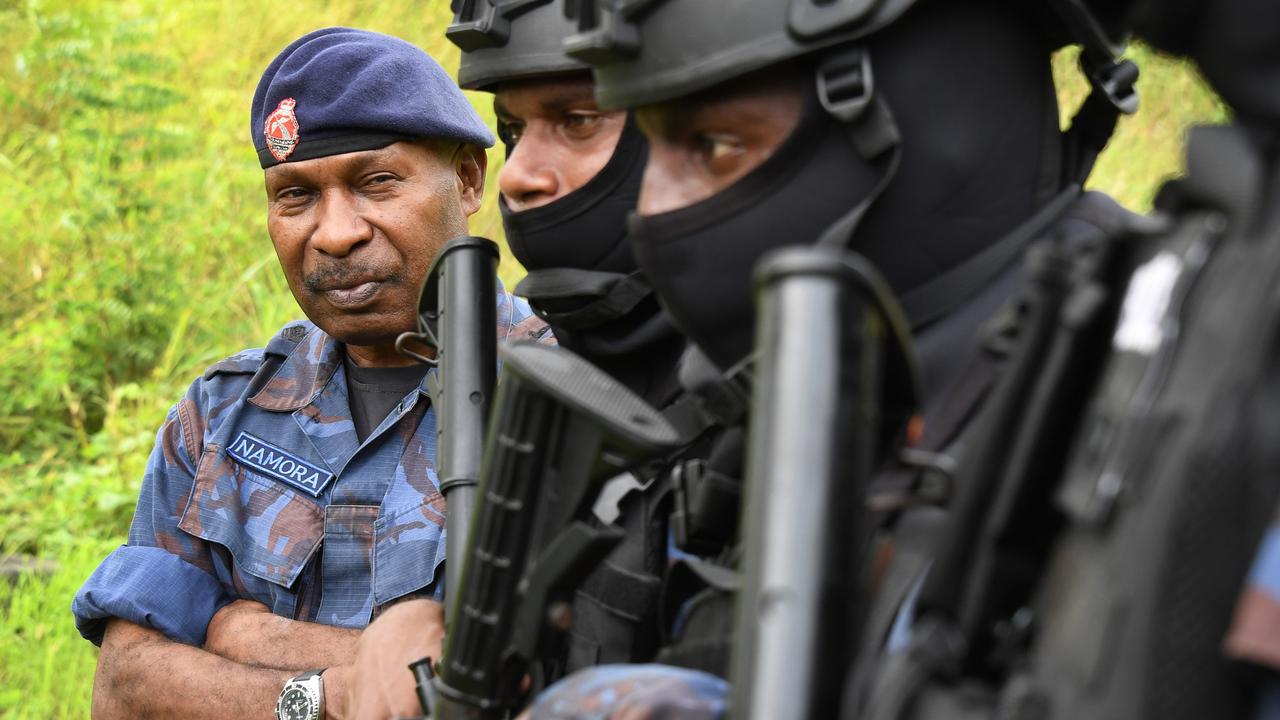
1084, 140
706, 510
629, 594
597, 297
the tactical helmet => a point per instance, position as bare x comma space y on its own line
645, 51
492, 49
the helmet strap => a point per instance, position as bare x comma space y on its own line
846, 90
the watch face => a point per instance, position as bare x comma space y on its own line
295, 704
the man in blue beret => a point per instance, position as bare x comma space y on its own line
291, 495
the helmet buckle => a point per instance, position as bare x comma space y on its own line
1115, 80
845, 84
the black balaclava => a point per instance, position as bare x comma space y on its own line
971, 90
583, 278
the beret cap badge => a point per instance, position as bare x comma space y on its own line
281, 130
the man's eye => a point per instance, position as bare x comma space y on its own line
509, 132
582, 123
715, 147
293, 195
380, 179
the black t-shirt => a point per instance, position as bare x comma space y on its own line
375, 392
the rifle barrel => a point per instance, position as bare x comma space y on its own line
814, 429
465, 271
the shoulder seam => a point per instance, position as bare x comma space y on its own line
184, 421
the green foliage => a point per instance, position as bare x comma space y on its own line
46, 668
134, 253
113, 184
1147, 147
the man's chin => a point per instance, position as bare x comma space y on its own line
363, 331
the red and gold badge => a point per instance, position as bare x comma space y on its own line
281, 130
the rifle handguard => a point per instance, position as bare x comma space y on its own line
560, 427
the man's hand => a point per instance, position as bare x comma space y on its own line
381, 685
247, 632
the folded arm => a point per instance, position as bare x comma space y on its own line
247, 632
143, 674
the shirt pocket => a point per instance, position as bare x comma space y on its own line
346, 565
408, 551
270, 530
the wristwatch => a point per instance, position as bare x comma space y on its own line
302, 698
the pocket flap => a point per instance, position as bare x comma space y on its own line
270, 530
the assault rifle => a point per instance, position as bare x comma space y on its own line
1119, 480
834, 388
559, 429
457, 316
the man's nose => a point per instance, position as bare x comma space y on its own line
529, 177
340, 226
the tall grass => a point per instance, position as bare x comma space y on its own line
134, 253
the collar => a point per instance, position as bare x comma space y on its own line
311, 363
303, 374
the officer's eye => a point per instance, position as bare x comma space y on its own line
716, 149
380, 179
293, 195
582, 123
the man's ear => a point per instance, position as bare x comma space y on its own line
470, 163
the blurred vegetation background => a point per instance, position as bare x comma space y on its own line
134, 250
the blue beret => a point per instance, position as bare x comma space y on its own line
340, 90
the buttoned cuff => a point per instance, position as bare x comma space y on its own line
150, 587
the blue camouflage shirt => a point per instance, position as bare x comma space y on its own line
259, 488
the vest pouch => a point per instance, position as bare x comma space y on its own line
614, 618
270, 530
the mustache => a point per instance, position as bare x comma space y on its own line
339, 276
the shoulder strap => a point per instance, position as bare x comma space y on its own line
940, 295
597, 297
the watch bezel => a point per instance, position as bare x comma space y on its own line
310, 687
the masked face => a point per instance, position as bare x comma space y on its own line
732, 175
758, 164
700, 146
557, 139
571, 177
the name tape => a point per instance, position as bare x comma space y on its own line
267, 459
